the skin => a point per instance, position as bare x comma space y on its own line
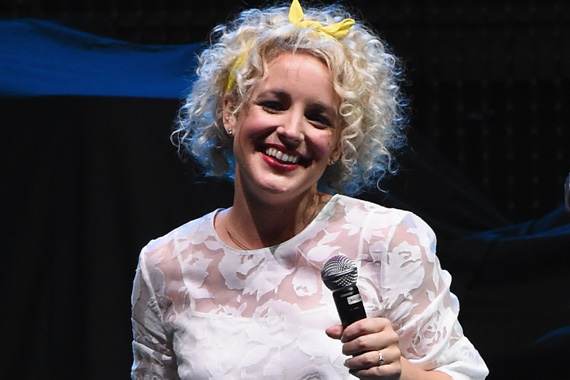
364, 338
295, 111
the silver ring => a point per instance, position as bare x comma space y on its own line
381, 360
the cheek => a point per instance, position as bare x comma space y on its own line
324, 144
253, 124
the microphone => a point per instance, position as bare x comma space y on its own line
339, 273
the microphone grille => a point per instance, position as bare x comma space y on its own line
339, 271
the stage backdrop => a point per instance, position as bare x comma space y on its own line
90, 176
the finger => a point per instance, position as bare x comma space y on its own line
364, 327
374, 364
376, 358
334, 332
385, 372
371, 342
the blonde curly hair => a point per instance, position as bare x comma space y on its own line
366, 76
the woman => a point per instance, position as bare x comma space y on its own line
295, 107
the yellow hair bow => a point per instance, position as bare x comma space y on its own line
240, 60
338, 30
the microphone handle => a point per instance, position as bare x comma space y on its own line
349, 304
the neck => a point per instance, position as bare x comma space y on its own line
253, 223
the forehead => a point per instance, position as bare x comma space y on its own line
287, 65
301, 74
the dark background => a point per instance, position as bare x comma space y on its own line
88, 180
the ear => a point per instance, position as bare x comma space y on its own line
336, 152
228, 118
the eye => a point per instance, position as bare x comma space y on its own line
320, 119
271, 105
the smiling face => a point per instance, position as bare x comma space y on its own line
288, 132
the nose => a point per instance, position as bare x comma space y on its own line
291, 131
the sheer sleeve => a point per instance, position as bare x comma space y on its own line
153, 355
416, 297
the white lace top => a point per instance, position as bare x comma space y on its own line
204, 310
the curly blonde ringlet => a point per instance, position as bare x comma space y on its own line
366, 76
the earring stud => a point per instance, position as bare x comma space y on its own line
230, 132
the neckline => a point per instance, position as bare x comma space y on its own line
323, 213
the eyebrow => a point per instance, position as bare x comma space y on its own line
284, 95
320, 107
281, 94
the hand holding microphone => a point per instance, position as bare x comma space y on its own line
379, 356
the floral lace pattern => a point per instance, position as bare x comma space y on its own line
203, 310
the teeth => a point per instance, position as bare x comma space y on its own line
281, 156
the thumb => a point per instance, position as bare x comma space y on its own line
335, 331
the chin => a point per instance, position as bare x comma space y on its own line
283, 190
